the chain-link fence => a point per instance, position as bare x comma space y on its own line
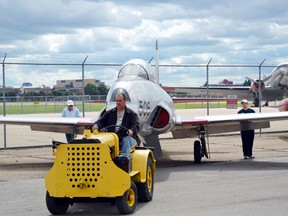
44, 71
49, 104
41, 75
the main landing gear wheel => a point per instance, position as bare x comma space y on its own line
197, 152
126, 204
200, 150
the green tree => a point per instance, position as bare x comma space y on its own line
56, 93
31, 94
42, 93
102, 89
8, 93
90, 89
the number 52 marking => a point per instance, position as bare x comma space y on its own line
144, 108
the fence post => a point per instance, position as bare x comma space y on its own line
207, 77
22, 105
259, 88
46, 102
4, 102
83, 88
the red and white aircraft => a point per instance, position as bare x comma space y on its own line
273, 87
156, 112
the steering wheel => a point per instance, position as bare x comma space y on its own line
120, 126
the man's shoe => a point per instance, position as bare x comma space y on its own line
251, 157
246, 157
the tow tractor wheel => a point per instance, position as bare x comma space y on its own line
145, 190
56, 206
197, 152
126, 204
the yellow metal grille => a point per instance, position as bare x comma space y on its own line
85, 170
84, 166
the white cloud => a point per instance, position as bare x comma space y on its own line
188, 32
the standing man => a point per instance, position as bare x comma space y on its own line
121, 115
70, 111
248, 135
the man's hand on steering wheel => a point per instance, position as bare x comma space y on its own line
129, 132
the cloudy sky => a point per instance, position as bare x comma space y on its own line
188, 32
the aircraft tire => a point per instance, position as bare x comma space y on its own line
56, 206
197, 152
126, 204
145, 190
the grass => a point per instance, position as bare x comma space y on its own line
28, 108
31, 108
199, 105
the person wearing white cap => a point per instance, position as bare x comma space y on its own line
70, 111
247, 136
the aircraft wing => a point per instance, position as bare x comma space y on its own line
61, 125
186, 126
187, 100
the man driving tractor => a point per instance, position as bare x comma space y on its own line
121, 115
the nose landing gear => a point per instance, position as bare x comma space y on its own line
200, 149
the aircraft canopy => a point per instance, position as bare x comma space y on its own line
137, 68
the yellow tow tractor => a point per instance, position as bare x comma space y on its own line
90, 168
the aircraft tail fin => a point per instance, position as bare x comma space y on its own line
157, 63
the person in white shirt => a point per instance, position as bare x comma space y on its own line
70, 111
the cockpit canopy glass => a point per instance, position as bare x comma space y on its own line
133, 70
117, 91
283, 68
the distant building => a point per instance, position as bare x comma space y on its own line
74, 86
226, 82
37, 89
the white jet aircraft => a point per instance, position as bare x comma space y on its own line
156, 112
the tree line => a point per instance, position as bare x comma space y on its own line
89, 89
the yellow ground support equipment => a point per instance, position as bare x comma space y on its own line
90, 169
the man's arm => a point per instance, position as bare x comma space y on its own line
63, 114
135, 124
78, 114
101, 122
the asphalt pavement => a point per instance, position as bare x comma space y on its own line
255, 187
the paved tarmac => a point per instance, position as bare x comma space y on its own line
256, 187
223, 185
